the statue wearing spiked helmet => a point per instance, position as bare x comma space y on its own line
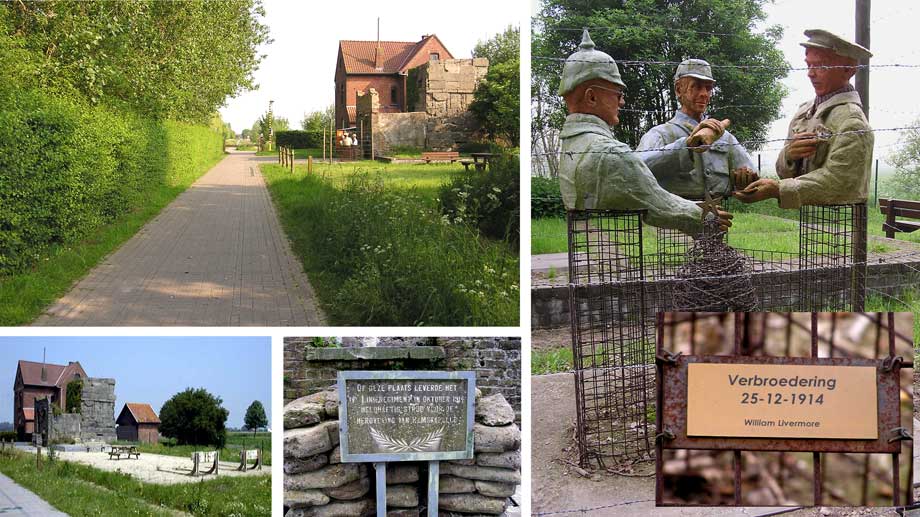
596, 170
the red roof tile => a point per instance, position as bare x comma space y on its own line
359, 55
143, 413
54, 373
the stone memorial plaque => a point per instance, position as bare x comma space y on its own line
782, 401
406, 415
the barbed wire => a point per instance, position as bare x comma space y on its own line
600, 29
747, 143
635, 62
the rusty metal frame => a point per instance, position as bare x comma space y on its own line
672, 374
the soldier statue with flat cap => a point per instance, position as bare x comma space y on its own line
719, 165
828, 154
596, 170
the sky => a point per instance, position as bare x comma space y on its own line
299, 69
153, 369
891, 91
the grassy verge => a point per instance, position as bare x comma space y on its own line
23, 296
80, 490
378, 252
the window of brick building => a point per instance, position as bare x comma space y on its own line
393, 95
434, 56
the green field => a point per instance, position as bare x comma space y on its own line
80, 490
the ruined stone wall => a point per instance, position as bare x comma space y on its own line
316, 482
441, 120
496, 361
66, 428
401, 130
445, 92
98, 410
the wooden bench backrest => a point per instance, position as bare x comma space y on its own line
901, 207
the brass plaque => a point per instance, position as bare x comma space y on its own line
782, 401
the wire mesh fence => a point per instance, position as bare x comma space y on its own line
618, 282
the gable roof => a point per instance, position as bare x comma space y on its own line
358, 56
142, 413
54, 373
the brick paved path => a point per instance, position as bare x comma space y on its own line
215, 256
16, 500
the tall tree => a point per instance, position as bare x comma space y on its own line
317, 121
496, 101
719, 31
179, 60
255, 417
194, 417
906, 160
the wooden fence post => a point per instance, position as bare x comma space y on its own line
309, 165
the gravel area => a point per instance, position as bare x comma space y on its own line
155, 468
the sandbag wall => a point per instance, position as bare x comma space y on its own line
318, 484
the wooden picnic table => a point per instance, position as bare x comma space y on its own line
129, 450
480, 161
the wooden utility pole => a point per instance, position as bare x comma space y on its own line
863, 7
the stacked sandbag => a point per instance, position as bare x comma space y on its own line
316, 482
402, 489
484, 484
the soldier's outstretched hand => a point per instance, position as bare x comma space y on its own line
725, 219
706, 133
764, 188
742, 177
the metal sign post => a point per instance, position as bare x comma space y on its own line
388, 416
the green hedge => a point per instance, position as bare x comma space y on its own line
299, 139
68, 167
545, 198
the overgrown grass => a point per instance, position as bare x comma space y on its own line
23, 296
80, 490
907, 300
551, 360
231, 452
378, 252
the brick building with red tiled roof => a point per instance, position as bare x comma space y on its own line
382, 65
138, 423
37, 381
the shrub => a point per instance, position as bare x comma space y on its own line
7, 436
545, 198
194, 417
489, 201
299, 139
